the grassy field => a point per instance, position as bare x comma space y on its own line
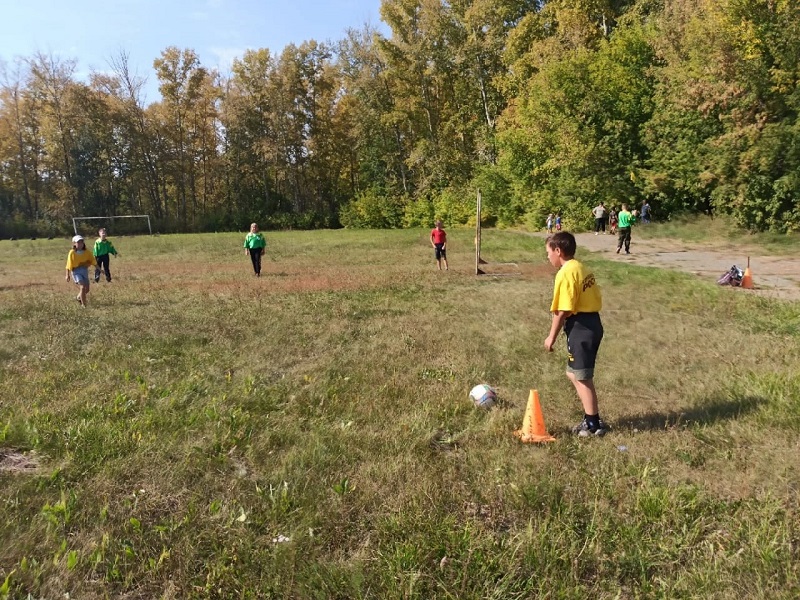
200, 433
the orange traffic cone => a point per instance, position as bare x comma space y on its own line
533, 430
747, 279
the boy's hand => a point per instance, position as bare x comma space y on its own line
549, 343
67, 278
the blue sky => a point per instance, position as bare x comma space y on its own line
91, 31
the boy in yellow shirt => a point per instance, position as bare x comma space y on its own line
576, 309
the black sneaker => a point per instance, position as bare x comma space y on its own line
582, 429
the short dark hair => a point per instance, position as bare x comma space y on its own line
564, 241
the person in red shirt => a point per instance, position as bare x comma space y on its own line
439, 243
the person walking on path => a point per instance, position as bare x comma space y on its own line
79, 260
599, 213
102, 250
625, 219
254, 246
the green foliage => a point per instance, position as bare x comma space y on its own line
581, 117
691, 105
372, 210
420, 212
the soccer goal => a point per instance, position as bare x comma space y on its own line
105, 221
482, 266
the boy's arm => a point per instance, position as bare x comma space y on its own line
432, 244
556, 326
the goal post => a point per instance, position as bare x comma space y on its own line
478, 260
75, 220
500, 269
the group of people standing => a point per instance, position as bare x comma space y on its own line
619, 221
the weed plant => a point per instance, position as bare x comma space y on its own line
197, 432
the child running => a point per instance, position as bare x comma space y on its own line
576, 309
439, 243
102, 248
549, 223
254, 245
79, 260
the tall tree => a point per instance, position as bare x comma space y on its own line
181, 83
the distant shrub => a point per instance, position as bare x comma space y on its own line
374, 210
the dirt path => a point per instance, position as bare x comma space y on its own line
774, 276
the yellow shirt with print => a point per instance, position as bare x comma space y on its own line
576, 290
82, 259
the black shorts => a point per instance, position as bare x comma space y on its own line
440, 251
584, 334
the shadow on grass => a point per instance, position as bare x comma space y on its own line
706, 414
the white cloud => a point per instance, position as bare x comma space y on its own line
225, 55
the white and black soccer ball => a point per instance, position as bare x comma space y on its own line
483, 396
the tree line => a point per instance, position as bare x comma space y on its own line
544, 106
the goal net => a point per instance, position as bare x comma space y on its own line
115, 225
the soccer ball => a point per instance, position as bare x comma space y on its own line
483, 396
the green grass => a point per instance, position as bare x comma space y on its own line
205, 434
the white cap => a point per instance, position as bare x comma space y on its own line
77, 238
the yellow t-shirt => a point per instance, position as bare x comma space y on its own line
82, 259
576, 290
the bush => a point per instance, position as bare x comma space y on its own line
419, 213
372, 210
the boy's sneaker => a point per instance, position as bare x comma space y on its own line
583, 430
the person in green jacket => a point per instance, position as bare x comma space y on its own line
624, 221
102, 250
254, 245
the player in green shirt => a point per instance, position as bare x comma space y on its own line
101, 251
254, 245
624, 221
